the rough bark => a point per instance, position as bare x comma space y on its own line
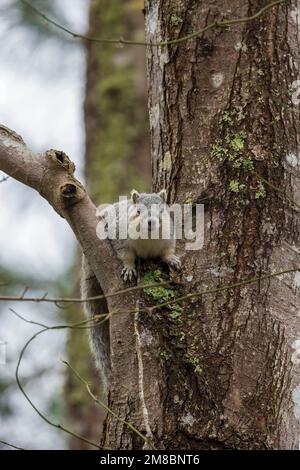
51, 174
224, 374
220, 113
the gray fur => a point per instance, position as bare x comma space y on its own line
127, 251
99, 336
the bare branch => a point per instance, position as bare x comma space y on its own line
192, 294
76, 300
88, 324
52, 175
215, 290
99, 319
11, 445
121, 41
42, 415
103, 405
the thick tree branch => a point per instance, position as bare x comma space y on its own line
52, 175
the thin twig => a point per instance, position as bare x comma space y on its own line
190, 295
11, 445
220, 289
84, 324
44, 417
99, 402
103, 405
71, 300
121, 41
106, 316
178, 299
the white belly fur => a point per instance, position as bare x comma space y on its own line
149, 248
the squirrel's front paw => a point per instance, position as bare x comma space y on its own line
174, 262
128, 273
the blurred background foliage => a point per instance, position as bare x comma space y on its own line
113, 122
20, 14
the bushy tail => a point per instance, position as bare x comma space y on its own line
99, 335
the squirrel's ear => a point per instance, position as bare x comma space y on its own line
163, 195
135, 195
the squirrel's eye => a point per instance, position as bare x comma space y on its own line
138, 212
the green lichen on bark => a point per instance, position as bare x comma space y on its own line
231, 147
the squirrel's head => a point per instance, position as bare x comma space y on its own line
148, 212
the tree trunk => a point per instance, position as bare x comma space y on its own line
224, 372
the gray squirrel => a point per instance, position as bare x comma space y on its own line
149, 234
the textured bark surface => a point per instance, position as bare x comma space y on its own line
225, 373
51, 174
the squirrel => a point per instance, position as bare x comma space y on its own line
149, 234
